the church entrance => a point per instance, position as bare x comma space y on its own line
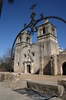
64, 68
28, 69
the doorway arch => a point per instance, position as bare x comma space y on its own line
64, 68
28, 69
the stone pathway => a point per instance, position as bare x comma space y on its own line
22, 94
35, 96
7, 94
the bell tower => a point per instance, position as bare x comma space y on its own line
48, 37
24, 38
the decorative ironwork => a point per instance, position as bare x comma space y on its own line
32, 26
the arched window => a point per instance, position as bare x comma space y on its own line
33, 53
52, 29
17, 63
20, 39
27, 39
43, 30
25, 55
40, 31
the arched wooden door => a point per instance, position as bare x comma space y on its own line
64, 68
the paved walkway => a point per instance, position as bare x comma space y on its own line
7, 94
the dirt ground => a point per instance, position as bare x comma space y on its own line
41, 77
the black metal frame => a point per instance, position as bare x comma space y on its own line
33, 27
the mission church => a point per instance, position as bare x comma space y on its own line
44, 57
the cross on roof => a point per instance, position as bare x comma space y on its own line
33, 6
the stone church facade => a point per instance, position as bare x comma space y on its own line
44, 57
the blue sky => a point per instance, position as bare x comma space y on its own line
14, 16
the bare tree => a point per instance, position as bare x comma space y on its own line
5, 60
7, 56
0, 60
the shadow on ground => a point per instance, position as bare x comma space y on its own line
32, 94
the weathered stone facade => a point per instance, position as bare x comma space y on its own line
43, 57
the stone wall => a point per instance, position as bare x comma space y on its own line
61, 58
54, 65
47, 66
62, 88
43, 89
23, 54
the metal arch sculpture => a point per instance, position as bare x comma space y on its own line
32, 25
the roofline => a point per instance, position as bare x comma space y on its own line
46, 23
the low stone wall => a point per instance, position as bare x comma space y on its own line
1, 77
62, 88
9, 76
11, 80
62, 83
43, 88
14, 84
58, 90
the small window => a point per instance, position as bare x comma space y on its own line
40, 31
43, 30
33, 53
20, 39
43, 47
25, 55
27, 39
17, 63
23, 63
52, 29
